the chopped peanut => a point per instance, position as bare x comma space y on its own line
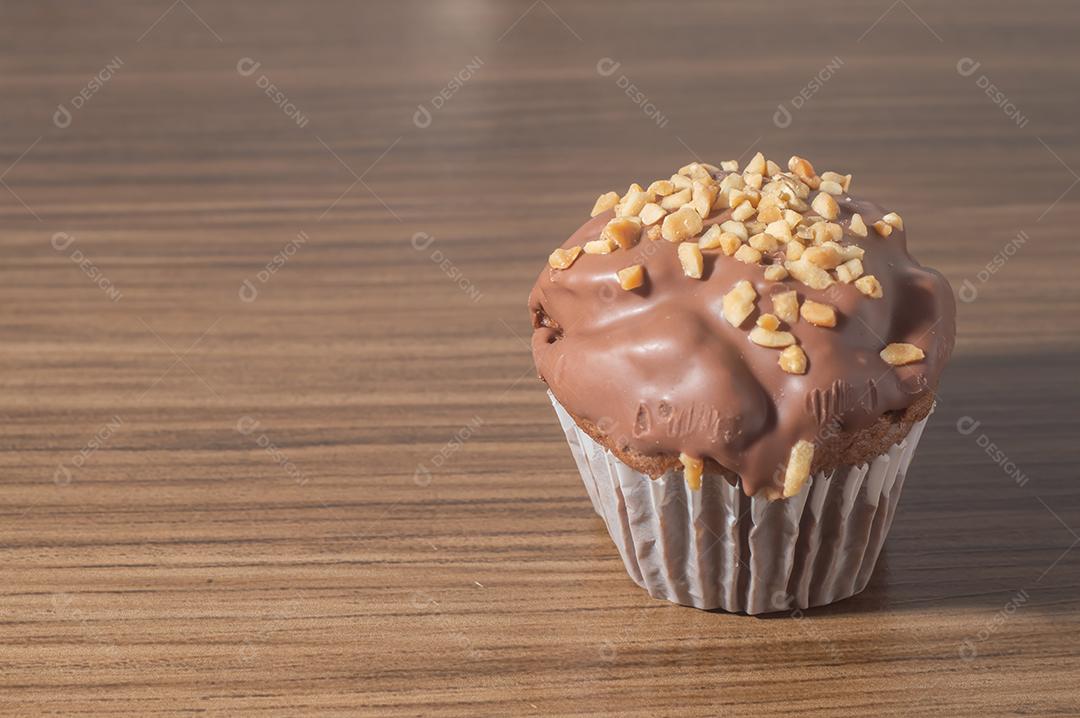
786, 305
826, 206
623, 231
736, 228
748, 254
769, 322
798, 467
809, 274
605, 202
653, 232
756, 164
849, 271
901, 353
743, 212
691, 260
893, 220
730, 165
692, 470
775, 273
632, 202
738, 304
764, 242
711, 238
651, 213
824, 256
830, 187
661, 188
857, 225
883, 228
870, 286
818, 314
793, 360
682, 224
770, 338
674, 201
632, 277
563, 258
599, 246
729, 243
702, 197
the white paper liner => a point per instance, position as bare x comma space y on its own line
718, 548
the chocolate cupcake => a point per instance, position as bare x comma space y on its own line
743, 363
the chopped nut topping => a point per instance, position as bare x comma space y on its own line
661, 188
824, 256
692, 470
736, 228
849, 271
809, 274
893, 220
775, 273
702, 197
818, 314
786, 305
830, 187
770, 338
857, 225
682, 224
691, 260
793, 360
748, 254
769, 322
680, 182
674, 201
652, 213
793, 218
869, 285
563, 258
753, 179
632, 277
798, 467
729, 243
846, 251
769, 212
883, 228
764, 242
711, 238
730, 165
772, 169
653, 232
605, 202
743, 212
901, 353
826, 206
623, 231
738, 304
779, 229
754, 227
633, 201
801, 167
756, 164
843, 180
795, 250
599, 246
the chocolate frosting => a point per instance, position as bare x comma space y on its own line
660, 372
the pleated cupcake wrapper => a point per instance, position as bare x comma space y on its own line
717, 548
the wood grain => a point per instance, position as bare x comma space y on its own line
349, 496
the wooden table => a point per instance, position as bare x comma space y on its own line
272, 439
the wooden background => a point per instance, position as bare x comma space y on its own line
211, 505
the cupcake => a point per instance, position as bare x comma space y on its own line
743, 361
